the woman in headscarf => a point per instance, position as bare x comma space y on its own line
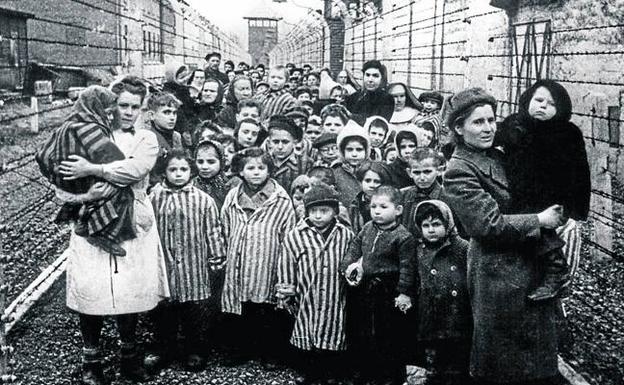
210, 100
347, 81
176, 82
196, 82
240, 88
406, 105
373, 99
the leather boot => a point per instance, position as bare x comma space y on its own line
132, 364
92, 371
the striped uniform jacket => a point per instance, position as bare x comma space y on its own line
192, 239
253, 247
93, 142
311, 265
276, 103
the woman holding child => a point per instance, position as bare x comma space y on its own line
514, 339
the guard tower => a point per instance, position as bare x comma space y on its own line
262, 24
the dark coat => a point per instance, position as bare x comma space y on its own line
412, 196
364, 104
187, 120
398, 174
346, 183
514, 339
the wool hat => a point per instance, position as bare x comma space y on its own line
352, 130
431, 95
463, 100
321, 194
211, 54
298, 112
325, 139
284, 122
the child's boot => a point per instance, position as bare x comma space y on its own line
132, 363
92, 371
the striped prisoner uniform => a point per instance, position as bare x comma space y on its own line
192, 239
311, 264
253, 239
276, 103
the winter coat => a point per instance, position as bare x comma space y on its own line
364, 104
276, 103
443, 303
344, 174
412, 196
253, 247
310, 265
513, 339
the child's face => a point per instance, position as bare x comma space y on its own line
406, 147
333, 125
312, 132
426, 137
165, 117
354, 153
542, 105
248, 112
304, 96
242, 89
178, 172
430, 105
277, 80
229, 152
433, 230
329, 152
321, 216
282, 144
207, 162
255, 172
383, 210
310, 109
370, 182
248, 134
301, 123
206, 134
376, 135
312, 81
261, 89
391, 156
337, 95
423, 173
210, 91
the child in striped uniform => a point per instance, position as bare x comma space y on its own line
310, 285
192, 239
256, 216
278, 100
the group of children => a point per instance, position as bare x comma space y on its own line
315, 230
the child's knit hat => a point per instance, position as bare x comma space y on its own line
283, 122
431, 95
321, 194
325, 139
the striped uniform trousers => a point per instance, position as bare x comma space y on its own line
311, 265
253, 248
192, 239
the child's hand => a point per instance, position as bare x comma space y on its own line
219, 266
403, 302
284, 290
354, 274
552, 217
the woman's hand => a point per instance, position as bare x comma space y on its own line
403, 302
78, 167
354, 274
552, 217
100, 190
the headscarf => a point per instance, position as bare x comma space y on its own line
231, 99
91, 106
220, 92
171, 74
560, 95
446, 212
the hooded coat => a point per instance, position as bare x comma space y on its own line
401, 119
398, 167
514, 340
546, 161
364, 103
443, 303
346, 183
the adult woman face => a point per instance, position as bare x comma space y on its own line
478, 128
198, 79
242, 89
372, 79
210, 91
398, 93
342, 77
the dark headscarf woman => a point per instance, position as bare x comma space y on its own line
176, 82
240, 88
373, 99
514, 340
210, 101
406, 105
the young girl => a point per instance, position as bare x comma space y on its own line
354, 148
210, 164
546, 163
371, 175
249, 133
333, 118
191, 236
229, 149
256, 216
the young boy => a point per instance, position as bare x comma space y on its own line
381, 262
444, 312
278, 100
303, 93
327, 150
309, 276
283, 135
248, 109
162, 112
377, 128
424, 167
406, 142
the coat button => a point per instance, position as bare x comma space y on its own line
453, 268
454, 293
434, 272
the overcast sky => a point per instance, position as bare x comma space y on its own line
228, 14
